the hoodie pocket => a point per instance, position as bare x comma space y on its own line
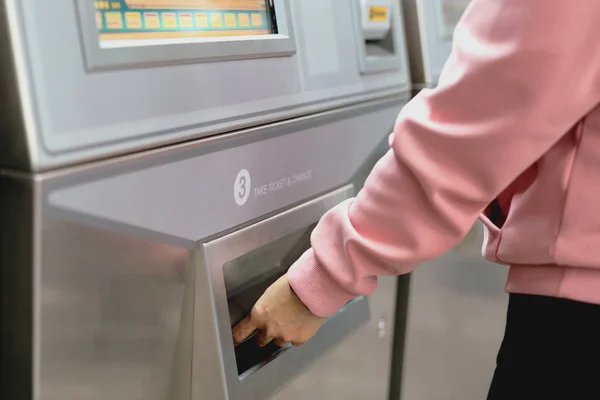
492, 218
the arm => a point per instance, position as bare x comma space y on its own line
520, 75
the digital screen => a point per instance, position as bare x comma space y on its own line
119, 20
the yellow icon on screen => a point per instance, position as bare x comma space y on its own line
185, 20
133, 20
230, 20
216, 20
244, 20
169, 20
114, 20
201, 20
152, 20
101, 5
256, 19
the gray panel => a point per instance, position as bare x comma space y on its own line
359, 367
109, 113
111, 286
265, 378
114, 316
199, 180
376, 58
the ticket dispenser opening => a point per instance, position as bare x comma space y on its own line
246, 279
242, 265
379, 35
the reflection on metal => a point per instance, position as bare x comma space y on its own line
127, 312
115, 315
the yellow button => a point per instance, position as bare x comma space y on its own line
378, 13
201, 20
133, 20
152, 20
169, 20
244, 20
256, 19
186, 21
216, 20
230, 20
113, 20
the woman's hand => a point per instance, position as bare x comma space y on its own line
279, 315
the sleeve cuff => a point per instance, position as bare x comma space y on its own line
315, 288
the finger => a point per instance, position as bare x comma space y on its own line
262, 339
281, 343
243, 329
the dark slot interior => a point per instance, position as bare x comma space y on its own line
249, 355
247, 278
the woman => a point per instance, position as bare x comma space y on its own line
513, 131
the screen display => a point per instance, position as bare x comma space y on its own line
119, 20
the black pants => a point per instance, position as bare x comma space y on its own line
551, 350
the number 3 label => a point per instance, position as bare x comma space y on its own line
241, 188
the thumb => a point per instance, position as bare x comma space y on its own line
243, 329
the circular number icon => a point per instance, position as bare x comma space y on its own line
241, 188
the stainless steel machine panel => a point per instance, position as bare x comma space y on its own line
429, 28
119, 270
242, 265
81, 98
359, 367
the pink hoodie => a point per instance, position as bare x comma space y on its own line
516, 117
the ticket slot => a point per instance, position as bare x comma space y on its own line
247, 278
378, 35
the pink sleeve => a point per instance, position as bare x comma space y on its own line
520, 75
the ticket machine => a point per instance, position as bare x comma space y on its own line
164, 161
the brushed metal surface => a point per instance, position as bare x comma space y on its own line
60, 99
265, 379
359, 367
111, 313
103, 309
